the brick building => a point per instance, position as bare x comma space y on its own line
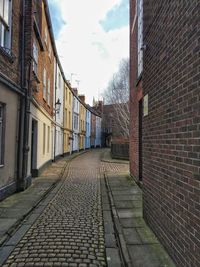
12, 95
165, 117
40, 51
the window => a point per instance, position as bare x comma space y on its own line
69, 119
48, 92
35, 57
66, 95
140, 36
50, 50
2, 133
48, 140
69, 98
59, 81
44, 138
45, 35
44, 84
5, 24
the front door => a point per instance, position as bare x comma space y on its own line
34, 137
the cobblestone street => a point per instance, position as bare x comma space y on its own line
92, 217
70, 230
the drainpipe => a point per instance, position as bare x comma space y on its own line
24, 115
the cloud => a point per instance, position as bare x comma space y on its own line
85, 48
116, 17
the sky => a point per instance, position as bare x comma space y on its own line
92, 36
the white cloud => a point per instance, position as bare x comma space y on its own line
85, 48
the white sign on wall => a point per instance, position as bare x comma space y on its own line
146, 105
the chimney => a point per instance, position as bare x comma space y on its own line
82, 98
100, 106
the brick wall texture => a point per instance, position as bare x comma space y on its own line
10, 67
171, 131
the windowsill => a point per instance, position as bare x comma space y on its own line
7, 54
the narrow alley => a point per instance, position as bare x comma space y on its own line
74, 224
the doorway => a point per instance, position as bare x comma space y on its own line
34, 139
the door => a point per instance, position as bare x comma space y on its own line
34, 146
140, 138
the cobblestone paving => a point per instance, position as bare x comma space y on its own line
70, 230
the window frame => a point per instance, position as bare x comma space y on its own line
44, 89
5, 27
48, 92
44, 138
35, 57
140, 38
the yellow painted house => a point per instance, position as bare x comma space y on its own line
82, 123
68, 104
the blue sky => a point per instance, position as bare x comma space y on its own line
92, 36
56, 19
116, 17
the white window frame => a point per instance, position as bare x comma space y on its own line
2, 133
44, 138
44, 84
5, 24
48, 92
35, 58
45, 36
50, 50
48, 140
140, 36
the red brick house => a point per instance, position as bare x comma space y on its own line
165, 117
12, 98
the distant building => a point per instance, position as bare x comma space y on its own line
68, 119
93, 130
82, 122
165, 118
98, 132
88, 128
76, 108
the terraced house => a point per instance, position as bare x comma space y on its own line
82, 122
12, 92
41, 116
165, 117
68, 119
40, 50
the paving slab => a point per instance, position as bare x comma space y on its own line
131, 236
113, 257
138, 244
149, 256
132, 222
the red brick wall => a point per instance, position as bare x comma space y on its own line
171, 133
135, 95
45, 62
8, 68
